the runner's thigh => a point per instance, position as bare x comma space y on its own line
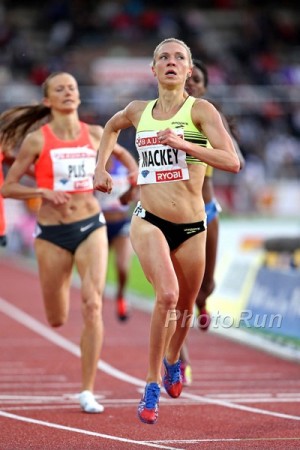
91, 261
153, 252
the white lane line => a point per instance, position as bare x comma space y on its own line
211, 369
40, 408
44, 386
89, 433
241, 407
35, 403
212, 377
249, 383
196, 441
39, 328
13, 379
242, 399
15, 371
28, 321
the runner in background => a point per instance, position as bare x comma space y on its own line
196, 85
71, 228
116, 211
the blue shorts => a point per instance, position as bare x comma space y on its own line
119, 228
175, 233
212, 210
69, 235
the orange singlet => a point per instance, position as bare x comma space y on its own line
2, 212
66, 165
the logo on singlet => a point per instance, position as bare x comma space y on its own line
169, 175
179, 124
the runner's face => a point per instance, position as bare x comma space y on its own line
172, 64
63, 93
195, 84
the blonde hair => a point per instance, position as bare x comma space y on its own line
169, 40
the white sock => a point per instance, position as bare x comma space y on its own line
88, 403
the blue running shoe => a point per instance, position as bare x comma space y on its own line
148, 406
172, 378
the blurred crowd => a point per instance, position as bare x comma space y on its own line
251, 49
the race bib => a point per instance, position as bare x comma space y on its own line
73, 168
159, 163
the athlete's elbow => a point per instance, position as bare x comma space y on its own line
236, 167
232, 166
9, 189
4, 192
235, 164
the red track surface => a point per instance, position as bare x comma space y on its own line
241, 398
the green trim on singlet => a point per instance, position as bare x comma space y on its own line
182, 119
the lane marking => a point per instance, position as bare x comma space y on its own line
86, 432
245, 376
41, 329
241, 407
33, 378
242, 382
33, 324
19, 402
196, 441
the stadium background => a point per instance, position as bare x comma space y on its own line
252, 54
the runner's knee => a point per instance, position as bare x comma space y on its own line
92, 309
167, 300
